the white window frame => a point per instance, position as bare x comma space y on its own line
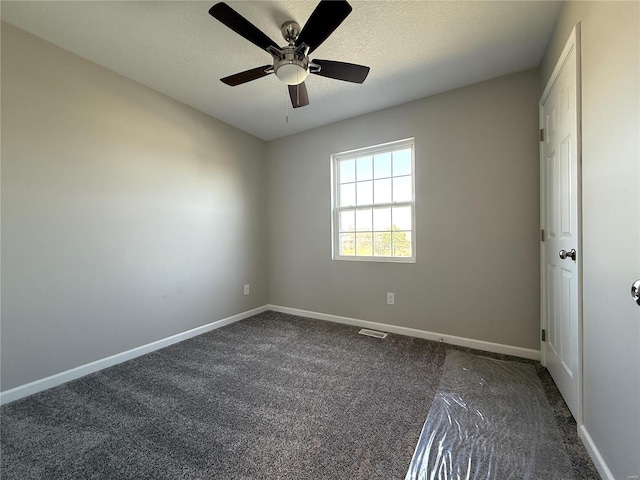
336, 209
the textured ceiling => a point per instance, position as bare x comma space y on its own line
414, 48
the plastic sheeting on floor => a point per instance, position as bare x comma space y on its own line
490, 419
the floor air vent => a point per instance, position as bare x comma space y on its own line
372, 333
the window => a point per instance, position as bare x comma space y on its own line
373, 215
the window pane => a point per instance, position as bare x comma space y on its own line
382, 219
363, 244
382, 244
347, 244
401, 244
365, 193
347, 195
347, 170
401, 218
374, 206
382, 191
347, 221
402, 162
363, 219
402, 189
382, 165
364, 168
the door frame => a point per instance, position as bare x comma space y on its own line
573, 43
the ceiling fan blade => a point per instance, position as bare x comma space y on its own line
299, 95
244, 77
327, 16
236, 22
349, 72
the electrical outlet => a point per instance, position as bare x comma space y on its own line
246, 289
391, 298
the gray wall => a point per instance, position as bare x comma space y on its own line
610, 195
477, 215
126, 216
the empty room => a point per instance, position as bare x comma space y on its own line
320, 240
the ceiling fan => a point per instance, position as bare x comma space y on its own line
291, 63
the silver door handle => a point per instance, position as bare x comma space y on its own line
635, 291
571, 254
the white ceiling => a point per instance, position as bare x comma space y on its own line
414, 48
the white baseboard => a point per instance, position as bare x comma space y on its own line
594, 453
77, 372
82, 370
412, 332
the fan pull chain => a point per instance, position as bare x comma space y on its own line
286, 103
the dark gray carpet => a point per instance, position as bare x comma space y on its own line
271, 397
489, 419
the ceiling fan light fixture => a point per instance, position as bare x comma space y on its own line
291, 67
292, 73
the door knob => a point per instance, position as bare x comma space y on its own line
635, 291
571, 254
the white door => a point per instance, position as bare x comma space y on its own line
560, 245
